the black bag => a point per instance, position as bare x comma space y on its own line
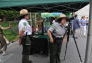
26, 42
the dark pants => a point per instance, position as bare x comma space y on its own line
25, 58
3, 44
55, 49
26, 43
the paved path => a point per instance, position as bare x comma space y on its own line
13, 54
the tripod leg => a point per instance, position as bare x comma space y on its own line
66, 33
77, 47
66, 50
66, 45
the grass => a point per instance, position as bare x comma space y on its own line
11, 34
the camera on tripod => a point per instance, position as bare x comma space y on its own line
69, 31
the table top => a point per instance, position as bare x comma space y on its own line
41, 36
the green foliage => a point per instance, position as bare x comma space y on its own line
11, 34
5, 24
9, 14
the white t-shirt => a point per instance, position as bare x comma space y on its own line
24, 26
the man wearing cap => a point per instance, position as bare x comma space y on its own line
55, 33
25, 32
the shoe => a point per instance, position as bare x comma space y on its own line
30, 61
27, 62
3, 53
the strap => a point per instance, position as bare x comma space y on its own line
26, 33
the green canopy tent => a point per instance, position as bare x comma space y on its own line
44, 5
12, 3
52, 6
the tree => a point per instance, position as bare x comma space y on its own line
8, 15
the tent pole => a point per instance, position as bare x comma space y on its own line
88, 51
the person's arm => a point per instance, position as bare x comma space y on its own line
78, 23
5, 28
50, 32
21, 33
50, 36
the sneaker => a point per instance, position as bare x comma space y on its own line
30, 61
3, 53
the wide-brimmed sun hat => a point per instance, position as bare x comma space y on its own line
24, 12
63, 16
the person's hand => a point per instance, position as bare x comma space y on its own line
51, 40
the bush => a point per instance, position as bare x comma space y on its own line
11, 34
9, 14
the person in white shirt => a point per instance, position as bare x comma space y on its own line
83, 23
24, 27
25, 32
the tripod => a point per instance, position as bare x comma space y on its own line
68, 30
